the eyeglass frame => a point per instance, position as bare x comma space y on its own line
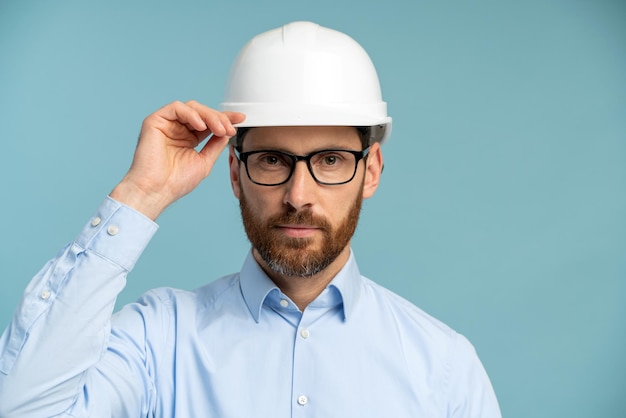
358, 156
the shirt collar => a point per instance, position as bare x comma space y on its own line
256, 286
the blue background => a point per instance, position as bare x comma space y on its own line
502, 204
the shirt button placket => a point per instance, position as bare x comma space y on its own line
304, 333
302, 378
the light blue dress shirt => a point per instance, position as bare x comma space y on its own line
235, 348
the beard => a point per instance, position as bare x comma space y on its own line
298, 257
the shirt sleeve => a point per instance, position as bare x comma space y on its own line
470, 392
61, 327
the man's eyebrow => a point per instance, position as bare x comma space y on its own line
342, 147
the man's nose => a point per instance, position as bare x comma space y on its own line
301, 188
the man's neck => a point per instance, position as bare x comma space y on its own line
303, 290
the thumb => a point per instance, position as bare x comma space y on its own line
212, 149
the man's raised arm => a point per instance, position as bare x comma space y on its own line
61, 328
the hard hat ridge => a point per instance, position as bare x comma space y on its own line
303, 74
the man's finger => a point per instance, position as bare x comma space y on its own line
184, 114
235, 117
215, 121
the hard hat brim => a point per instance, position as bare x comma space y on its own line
310, 114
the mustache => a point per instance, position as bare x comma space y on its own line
299, 218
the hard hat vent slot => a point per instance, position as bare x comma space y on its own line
300, 34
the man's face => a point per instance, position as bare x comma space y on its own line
299, 228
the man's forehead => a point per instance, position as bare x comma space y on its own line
299, 137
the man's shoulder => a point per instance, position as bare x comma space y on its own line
404, 312
210, 293
225, 287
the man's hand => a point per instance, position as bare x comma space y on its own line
166, 165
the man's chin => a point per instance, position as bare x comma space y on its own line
298, 244
296, 263
292, 253
280, 242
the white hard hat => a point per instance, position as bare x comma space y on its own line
303, 74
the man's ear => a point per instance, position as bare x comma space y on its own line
373, 170
233, 162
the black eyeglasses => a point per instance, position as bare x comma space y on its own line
329, 167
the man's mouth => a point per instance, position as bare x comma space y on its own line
298, 230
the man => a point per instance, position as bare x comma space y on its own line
298, 331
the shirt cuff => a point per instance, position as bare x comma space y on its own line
117, 233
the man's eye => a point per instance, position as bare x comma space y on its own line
330, 160
270, 159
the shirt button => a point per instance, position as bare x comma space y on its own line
96, 221
45, 294
302, 400
284, 303
113, 230
304, 333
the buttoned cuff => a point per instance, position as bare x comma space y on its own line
117, 233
